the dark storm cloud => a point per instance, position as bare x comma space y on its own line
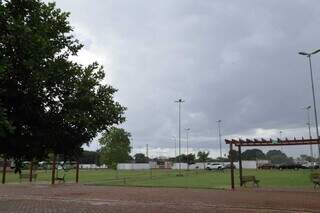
231, 60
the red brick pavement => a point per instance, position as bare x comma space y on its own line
80, 198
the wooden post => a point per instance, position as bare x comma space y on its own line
31, 168
4, 171
77, 172
53, 175
240, 165
232, 169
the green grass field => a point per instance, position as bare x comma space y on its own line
169, 178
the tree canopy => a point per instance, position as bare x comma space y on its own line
140, 158
253, 154
115, 147
277, 157
90, 157
203, 156
190, 158
48, 103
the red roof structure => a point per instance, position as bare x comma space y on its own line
260, 142
271, 142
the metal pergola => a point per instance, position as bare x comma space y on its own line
261, 142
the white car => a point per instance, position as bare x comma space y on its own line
214, 166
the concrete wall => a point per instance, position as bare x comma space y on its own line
245, 165
91, 166
183, 166
133, 166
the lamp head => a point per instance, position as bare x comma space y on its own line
303, 53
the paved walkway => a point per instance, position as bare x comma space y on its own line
81, 198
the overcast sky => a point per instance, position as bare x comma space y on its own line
231, 60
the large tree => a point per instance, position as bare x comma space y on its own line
5, 126
253, 154
115, 147
52, 103
277, 157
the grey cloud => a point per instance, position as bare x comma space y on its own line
231, 60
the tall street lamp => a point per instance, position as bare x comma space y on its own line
219, 134
179, 101
309, 127
280, 134
313, 96
187, 131
147, 151
175, 146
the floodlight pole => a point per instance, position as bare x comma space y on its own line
280, 134
219, 134
313, 95
309, 127
175, 146
179, 101
147, 151
187, 131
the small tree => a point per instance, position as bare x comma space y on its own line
190, 158
89, 157
203, 157
115, 147
140, 158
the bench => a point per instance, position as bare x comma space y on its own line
315, 178
61, 179
27, 176
246, 179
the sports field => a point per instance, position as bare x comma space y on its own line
169, 178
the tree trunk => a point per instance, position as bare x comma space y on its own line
30, 173
4, 171
77, 172
53, 175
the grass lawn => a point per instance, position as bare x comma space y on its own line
169, 178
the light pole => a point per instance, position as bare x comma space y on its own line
187, 131
313, 96
179, 101
175, 146
280, 135
309, 127
147, 151
132, 161
219, 134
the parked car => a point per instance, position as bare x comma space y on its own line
228, 166
266, 166
291, 166
311, 165
214, 166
